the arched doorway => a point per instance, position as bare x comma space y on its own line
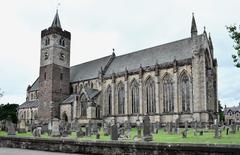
65, 117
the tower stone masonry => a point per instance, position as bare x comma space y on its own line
54, 76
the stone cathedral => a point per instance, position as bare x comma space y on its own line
169, 82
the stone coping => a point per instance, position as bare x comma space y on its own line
115, 147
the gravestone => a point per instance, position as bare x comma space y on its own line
217, 131
55, 127
186, 125
106, 129
94, 128
49, 128
80, 133
11, 129
201, 133
170, 131
87, 130
176, 129
184, 133
114, 132
146, 129
97, 136
37, 131
75, 125
227, 130
22, 126
61, 127
233, 128
44, 128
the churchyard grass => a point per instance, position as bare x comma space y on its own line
163, 137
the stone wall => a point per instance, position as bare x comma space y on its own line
118, 148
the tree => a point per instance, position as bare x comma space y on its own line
235, 35
9, 111
220, 112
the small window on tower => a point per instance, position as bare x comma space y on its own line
62, 42
61, 76
47, 41
45, 76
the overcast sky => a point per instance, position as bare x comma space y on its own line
97, 26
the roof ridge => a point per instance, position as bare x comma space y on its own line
157, 46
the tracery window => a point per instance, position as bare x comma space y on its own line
168, 95
109, 101
135, 96
150, 96
185, 92
83, 101
121, 98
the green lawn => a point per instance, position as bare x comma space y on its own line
208, 137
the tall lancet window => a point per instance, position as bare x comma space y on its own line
109, 101
83, 101
185, 92
168, 95
121, 98
150, 96
135, 96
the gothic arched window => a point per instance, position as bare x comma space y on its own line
121, 98
185, 93
83, 101
135, 96
150, 96
109, 101
168, 96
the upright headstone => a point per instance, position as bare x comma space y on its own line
217, 130
11, 129
22, 126
227, 131
176, 129
80, 133
87, 130
55, 127
184, 133
114, 132
37, 131
186, 125
75, 125
170, 131
146, 129
94, 128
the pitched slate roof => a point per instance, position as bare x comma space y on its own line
70, 99
35, 85
88, 70
91, 93
234, 109
178, 50
29, 104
